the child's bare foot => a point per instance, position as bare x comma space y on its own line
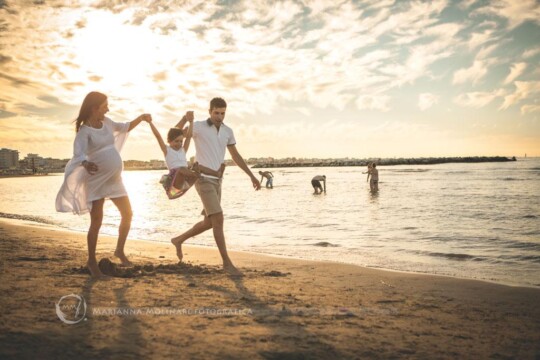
232, 270
221, 170
196, 168
123, 258
177, 242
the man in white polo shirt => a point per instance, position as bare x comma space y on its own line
211, 138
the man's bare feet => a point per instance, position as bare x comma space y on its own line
123, 258
232, 270
177, 242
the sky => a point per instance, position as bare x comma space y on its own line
307, 78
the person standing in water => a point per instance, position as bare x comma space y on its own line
374, 174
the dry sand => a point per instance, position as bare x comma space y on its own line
280, 309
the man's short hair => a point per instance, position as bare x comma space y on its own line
217, 103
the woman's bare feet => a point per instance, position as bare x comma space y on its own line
123, 258
95, 273
177, 242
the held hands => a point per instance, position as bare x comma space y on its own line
91, 167
189, 116
145, 117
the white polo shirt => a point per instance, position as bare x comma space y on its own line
211, 143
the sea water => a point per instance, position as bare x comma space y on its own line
477, 221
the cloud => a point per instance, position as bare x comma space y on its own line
6, 114
473, 74
15, 81
529, 53
160, 76
515, 12
80, 24
477, 99
95, 78
484, 52
465, 4
427, 100
527, 109
5, 59
515, 71
373, 102
523, 90
478, 39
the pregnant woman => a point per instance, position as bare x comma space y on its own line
95, 173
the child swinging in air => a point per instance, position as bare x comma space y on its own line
180, 177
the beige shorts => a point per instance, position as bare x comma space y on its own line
210, 193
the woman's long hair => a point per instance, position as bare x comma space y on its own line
91, 101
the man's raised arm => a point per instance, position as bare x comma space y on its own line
184, 120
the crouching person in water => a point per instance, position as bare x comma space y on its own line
269, 178
316, 183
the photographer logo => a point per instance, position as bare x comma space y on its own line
71, 309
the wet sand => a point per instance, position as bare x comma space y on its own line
280, 309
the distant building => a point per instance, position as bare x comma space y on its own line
55, 164
9, 158
135, 165
32, 161
158, 164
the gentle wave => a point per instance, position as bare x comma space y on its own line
526, 258
523, 245
453, 256
36, 219
325, 244
407, 170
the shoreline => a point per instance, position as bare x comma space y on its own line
20, 220
298, 308
23, 175
281, 308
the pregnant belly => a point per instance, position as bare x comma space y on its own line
109, 163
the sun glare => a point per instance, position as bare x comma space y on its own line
114, 51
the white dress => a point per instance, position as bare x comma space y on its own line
102, 147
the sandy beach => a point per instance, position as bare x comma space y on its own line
281, 308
